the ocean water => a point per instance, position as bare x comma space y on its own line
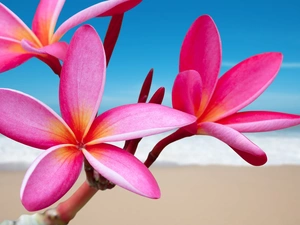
282, 148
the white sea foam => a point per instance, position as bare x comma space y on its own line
282, 148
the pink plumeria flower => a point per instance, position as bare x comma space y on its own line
216, 101
18, 43
79, 135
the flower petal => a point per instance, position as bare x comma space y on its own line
242, 84
30, 122
57, 49
45, 19
50, 176
11, 26
134, 121
258, 121
12, 54
123, 169
201, 51
105, 8
82, 80
187, 92
238, 142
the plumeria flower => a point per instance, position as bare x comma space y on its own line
216, 101
79, 134
18, 43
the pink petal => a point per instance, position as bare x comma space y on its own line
12, 54
123, 169
82, 80
11, 26
57, 49
105, 8
258, 121
242, 84
112, 35
50, 176
45, 19
238, 142
187, 92
135, 121
30, 122
201, 51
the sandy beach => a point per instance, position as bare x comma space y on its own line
210, 195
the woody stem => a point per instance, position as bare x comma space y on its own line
68, 209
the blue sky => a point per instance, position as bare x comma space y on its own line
151, 37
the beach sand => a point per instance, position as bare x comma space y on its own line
209, 195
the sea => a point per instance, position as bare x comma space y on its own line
282, 148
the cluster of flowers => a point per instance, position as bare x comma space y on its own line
203, 103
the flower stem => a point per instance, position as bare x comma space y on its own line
132, 145
157, 149
69, 208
